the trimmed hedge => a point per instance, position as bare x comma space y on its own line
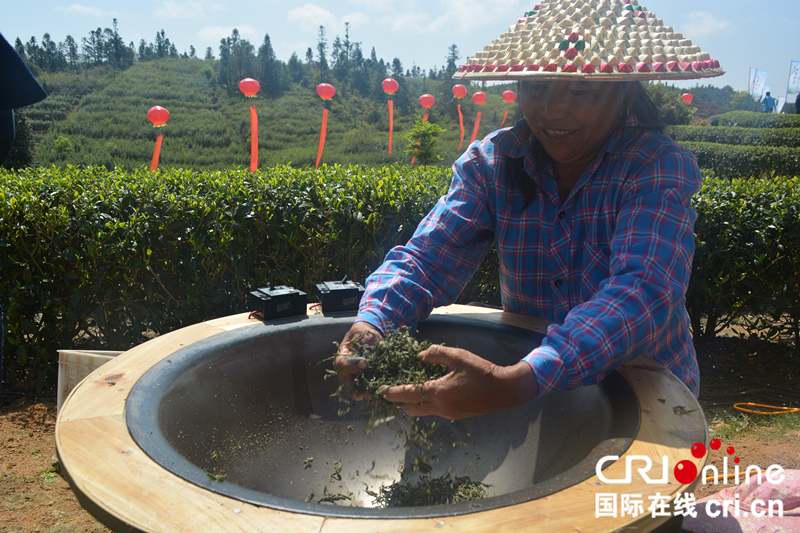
747, 266
786, 137
105, 259
749, 119
734, 161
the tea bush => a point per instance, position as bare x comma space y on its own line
750, 119
738, 161
91, 257
787, 137
105, 259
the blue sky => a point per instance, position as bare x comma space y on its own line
740, 34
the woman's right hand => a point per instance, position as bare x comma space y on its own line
348, 365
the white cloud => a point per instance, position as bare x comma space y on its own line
81, 9
311, 16
409, 22
189, 9
467, 15
216, 33
700, 24
459, 16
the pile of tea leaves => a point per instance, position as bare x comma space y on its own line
392, 362
443, 490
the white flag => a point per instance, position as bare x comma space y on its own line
758, 84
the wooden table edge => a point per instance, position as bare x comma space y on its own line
538, 512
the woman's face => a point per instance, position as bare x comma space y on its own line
572, 119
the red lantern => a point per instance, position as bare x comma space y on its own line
687, 98
479, 98
249, 87
325, 91
459, 91
427, 101
390, 86
158, 116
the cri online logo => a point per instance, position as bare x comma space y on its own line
685, 471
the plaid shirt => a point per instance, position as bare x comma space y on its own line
609, 265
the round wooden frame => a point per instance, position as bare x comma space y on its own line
127, 491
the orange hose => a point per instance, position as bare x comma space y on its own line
253, 139
776, 410
156, 153
322, 132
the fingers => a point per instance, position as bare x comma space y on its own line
349, 364
440, 355
404, 394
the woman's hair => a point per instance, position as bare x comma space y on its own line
642, 107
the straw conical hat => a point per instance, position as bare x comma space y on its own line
590, 39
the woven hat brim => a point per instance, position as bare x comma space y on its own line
509, 75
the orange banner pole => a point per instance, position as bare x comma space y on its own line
461, 125
505, 115
391, 125
253, 139
322, 131
413, 157
156, 153
475, 129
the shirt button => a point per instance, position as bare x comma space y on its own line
558, 283
561, 215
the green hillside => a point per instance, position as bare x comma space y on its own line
209, 129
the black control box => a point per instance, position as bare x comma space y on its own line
278, 302
342, 295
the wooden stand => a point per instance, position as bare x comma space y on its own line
127, 491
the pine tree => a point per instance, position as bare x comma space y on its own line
322, 52
268, 69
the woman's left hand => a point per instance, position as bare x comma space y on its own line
473, 386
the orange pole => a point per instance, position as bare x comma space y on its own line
156, 153
413, 157
391, 125
322, 135
475, 129
461, 124
504, 118
253, 139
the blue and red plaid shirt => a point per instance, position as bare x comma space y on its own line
609, 266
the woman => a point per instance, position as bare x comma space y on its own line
588, 204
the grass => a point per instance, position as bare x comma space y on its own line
726, 423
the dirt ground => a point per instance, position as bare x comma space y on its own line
35, 498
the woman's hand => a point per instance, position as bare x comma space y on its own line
474, 386
347, 366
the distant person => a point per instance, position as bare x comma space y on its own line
18, 88
769, 104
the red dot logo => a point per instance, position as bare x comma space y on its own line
698, 450
685, 472
715, 444
736, 460
730, 450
